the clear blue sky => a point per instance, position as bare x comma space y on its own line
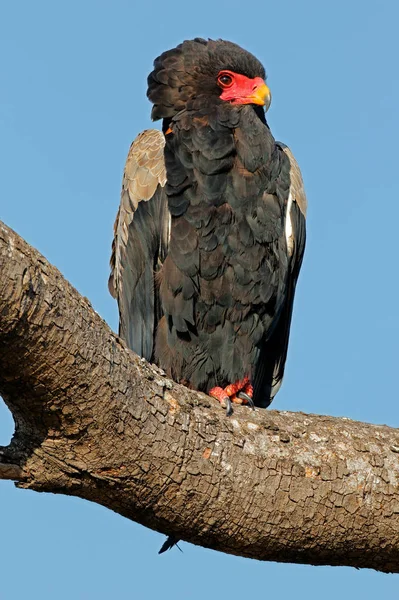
73, 80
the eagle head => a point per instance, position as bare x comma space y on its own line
201, 71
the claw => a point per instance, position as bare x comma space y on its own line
248, 399
229, 407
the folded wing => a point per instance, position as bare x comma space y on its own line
270, 370
141, 239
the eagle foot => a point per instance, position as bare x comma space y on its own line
248, 400
239, 392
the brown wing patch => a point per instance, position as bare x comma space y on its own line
141, 240
144, 171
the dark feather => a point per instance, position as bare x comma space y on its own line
168, 544
270, 370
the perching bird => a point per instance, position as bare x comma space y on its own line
210, 233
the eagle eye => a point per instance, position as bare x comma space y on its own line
225, 80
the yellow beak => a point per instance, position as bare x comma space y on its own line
261, 96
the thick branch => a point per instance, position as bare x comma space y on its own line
95, 421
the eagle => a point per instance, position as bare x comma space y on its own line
210, 232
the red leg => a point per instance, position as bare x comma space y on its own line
218, 393
234, 388
248, 389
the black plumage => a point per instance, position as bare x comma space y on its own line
205, 262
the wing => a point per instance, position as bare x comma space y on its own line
141, 239
270, 372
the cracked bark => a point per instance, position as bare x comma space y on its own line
94, 420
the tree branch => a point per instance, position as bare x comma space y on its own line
94, 420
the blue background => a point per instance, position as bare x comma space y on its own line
72, 97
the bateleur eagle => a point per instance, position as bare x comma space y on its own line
210, 232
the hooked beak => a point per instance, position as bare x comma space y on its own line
261, 96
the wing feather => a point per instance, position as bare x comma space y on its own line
270, 372
141, 240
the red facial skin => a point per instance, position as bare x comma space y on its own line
241, 90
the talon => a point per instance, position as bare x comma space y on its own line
247, 398
229, 407
248, 389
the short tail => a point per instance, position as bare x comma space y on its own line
168, 544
